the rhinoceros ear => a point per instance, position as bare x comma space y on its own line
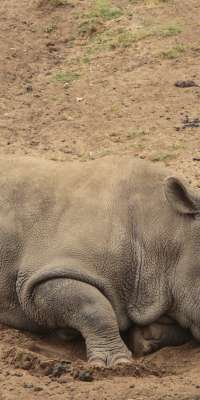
180, 198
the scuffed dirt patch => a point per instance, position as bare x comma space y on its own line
48, 356
31, 364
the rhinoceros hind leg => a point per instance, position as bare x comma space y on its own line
147, 339
61, 303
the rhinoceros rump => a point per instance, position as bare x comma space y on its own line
99, 247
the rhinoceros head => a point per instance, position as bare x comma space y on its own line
186, 278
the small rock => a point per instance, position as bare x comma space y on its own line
185, 84
132, 386
67, 151
52, 49
85, 376
50, 44
38, 389
61, 368
63, 379
79, 99
29, 88
191, 122
18, 374
28, 385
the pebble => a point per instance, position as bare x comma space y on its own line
63, 380
61, 368
38, 389
196, 158
191, 122
18, 374
78, 99
85, 376
28, 385
29, 88
185, 84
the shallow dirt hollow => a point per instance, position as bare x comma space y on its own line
81, 80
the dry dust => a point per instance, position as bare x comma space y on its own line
75, 85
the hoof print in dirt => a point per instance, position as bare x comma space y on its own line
185, 84
84, 376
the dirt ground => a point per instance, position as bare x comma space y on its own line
83, 79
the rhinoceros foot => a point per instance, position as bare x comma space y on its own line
109, 359
163, 333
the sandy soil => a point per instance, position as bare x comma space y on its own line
81, 80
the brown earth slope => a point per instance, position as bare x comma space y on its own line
83, 79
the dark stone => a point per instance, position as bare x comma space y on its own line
38, 389
61, 368
185, 84
196, 159
28, 385
85, 376
29, 88
191, 122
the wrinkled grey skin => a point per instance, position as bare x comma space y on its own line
99, 247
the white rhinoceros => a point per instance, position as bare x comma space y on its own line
98, 247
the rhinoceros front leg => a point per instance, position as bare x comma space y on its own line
61, 303
164, 332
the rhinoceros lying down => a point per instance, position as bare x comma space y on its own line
99, 247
